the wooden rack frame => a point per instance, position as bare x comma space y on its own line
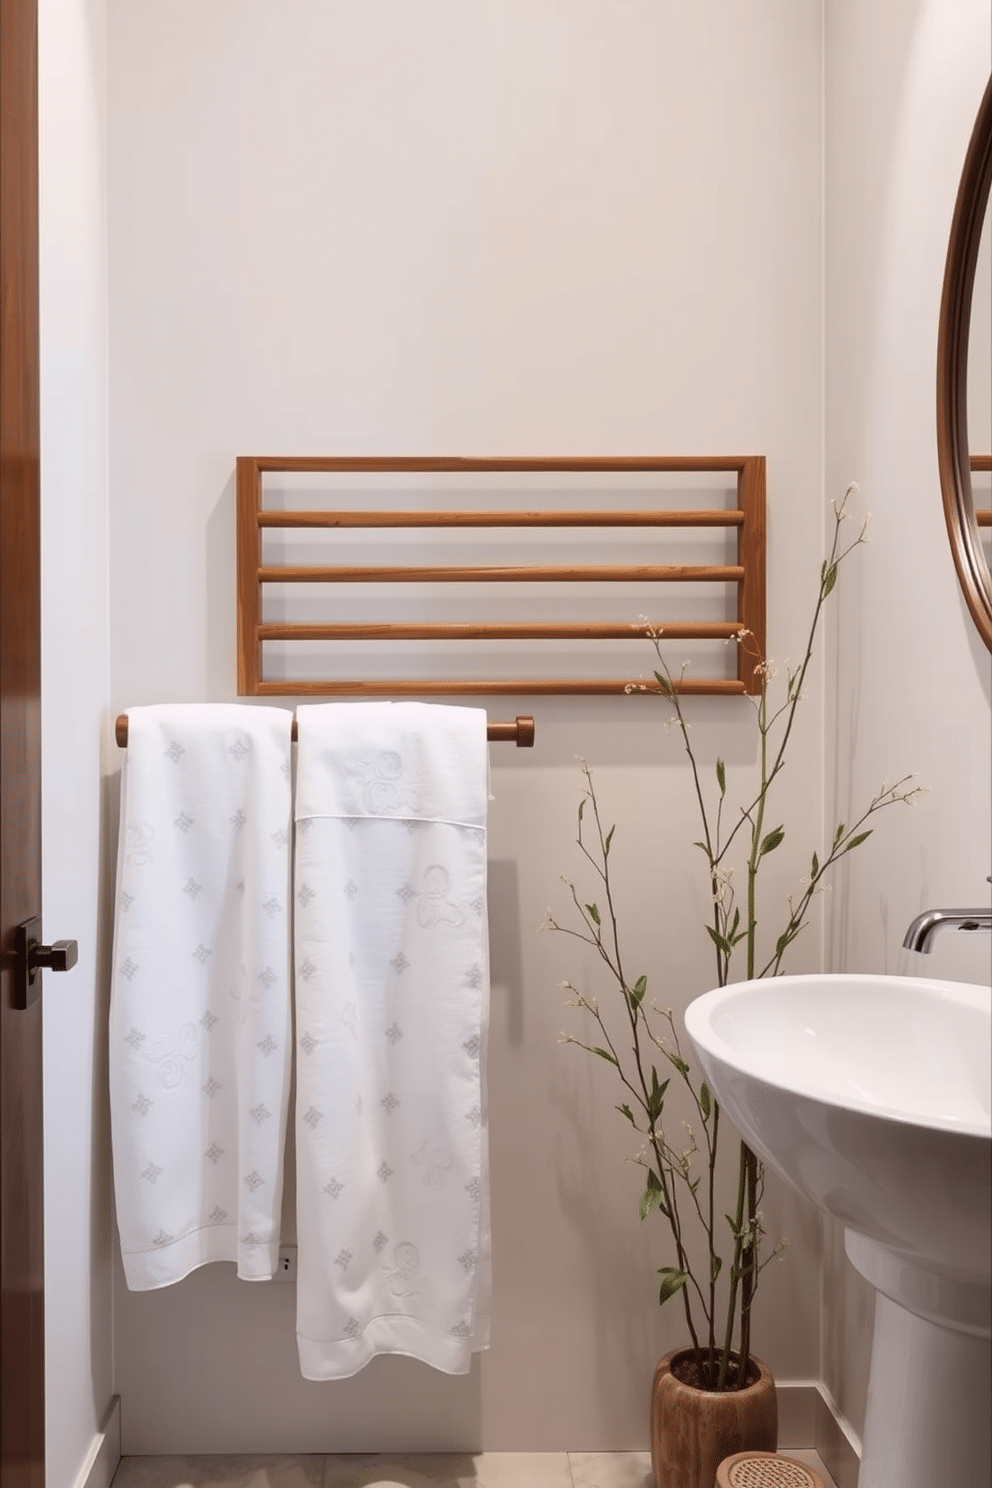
983, 514
748, 573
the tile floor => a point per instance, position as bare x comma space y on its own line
450, 1470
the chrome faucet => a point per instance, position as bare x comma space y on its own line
921, 933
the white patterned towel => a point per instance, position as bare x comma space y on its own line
392, 990
200, 1035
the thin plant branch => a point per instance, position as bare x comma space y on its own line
629, 1026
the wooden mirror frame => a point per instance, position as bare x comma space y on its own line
953, 455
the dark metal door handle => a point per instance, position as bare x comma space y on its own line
33, 957
62, 956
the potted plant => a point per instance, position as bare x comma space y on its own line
711, 1397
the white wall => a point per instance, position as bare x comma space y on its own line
525, 227
74, 477
912, 682
515, 226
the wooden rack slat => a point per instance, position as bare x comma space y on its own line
746, 519
523, 687
495, 464
715, 630
558, 573
983, 516
315, 519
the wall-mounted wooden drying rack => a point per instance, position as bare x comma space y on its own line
519, 731
983, 514
255, 577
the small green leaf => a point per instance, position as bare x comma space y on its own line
785, 940
815, 867
664, 684
651, 1198
721, 777
593, 913
635, 994
829, 579
582, 807
656, 1095
650, 1201
772, 841
609, 839
604, 1054
716, 1264
626, 1111
679, 1064
857, 841
672, 1281
839, 833
705, 1103
720, 941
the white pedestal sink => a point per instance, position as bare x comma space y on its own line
872, 1095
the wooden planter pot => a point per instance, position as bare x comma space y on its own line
693, 1430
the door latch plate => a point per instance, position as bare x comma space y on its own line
27, 982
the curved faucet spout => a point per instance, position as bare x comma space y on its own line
929, 924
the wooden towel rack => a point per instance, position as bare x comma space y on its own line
746, 519
983, 515
519, 731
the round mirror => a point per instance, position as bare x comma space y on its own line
963, 380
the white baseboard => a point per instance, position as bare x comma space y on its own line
838, 1445
807, 1417
104, 1455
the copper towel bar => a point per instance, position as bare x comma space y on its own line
519, 731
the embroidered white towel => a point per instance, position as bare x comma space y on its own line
200, 1030
392, 991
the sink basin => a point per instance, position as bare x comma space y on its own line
872, 1096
